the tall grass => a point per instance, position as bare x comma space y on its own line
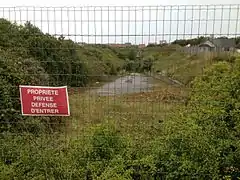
134, 114
184, 67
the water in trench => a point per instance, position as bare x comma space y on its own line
133, 83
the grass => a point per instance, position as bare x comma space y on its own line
137, 114
99, 61
180, 66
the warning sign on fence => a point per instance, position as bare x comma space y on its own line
44, 101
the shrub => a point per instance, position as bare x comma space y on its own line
202, 140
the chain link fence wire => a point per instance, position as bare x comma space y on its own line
128, 71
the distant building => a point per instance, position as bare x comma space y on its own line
141, 46
218, 44
163, 42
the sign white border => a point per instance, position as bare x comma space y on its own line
59, 87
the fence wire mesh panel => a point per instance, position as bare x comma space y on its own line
153, 92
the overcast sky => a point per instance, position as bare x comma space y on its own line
154, 22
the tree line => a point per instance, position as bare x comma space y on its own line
201, 39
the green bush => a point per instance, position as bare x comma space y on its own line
30, 57
15, 70
202, 140
218, 110
101, 154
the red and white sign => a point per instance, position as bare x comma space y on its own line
44, 101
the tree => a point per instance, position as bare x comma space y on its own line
16, 70
132, 54
147, 64
194, 41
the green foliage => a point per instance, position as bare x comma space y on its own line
147, 64
105, 154
57, 56
218, 110
194, 41
132, 66
16, 69
30, 57
184, 150
132, 54
106, 143
199, 141
224, 57
100, 61
101, 153
30, 157
202, 140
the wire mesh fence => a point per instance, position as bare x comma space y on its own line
141, 104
